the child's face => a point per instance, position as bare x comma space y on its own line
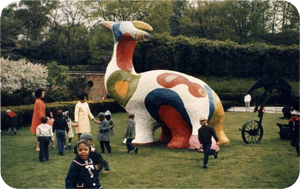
84, 99
43, 94
203, 122
90, 142
83, 151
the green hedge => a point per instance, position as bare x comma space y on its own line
202, 57
24, 112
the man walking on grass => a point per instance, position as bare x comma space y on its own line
204, 134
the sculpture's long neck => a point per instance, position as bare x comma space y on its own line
124, 53
121, 79
122, 56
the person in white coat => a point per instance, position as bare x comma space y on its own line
247, 100
82, 116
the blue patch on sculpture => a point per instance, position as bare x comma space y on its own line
117, 32
158, 97
211, 101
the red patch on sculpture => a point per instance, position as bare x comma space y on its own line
125, 49
170, 80
180, 131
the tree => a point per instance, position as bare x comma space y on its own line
258, 17
178, 7
290, 16
57, 75
70, 33
203, 19
116, 10
33, 15
159, 16
22, 75
10, 24
156, 13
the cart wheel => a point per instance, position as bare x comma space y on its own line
252, 132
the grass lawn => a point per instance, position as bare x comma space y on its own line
271, 164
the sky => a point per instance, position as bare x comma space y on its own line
3, 4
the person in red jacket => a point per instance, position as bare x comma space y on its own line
38, 112
294, 130
12, 122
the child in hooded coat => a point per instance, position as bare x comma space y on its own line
82, 172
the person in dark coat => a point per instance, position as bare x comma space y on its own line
61, 127
204, 134
82, 172
110, 122
130, 134
97, 158
294, 130
12, 121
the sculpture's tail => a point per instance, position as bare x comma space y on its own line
217, 120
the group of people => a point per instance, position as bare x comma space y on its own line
87, 161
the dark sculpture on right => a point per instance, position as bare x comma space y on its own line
252, 131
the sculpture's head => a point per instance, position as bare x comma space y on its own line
138, 30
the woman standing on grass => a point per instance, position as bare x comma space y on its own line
82, 116
38, 112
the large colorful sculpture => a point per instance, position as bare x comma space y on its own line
173, 99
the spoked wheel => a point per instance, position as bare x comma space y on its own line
252, 132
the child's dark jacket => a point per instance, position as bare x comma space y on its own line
96, 158
205, 133
79, 175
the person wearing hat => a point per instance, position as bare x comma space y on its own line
97, 158
294, 130
110, 122
130, 134
12, 121
205, 133
104, 133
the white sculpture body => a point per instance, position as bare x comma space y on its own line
168, 98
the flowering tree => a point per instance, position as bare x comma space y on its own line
22, 74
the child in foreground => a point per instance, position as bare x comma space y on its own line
97, 158
82, 172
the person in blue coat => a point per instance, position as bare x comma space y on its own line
82, 172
